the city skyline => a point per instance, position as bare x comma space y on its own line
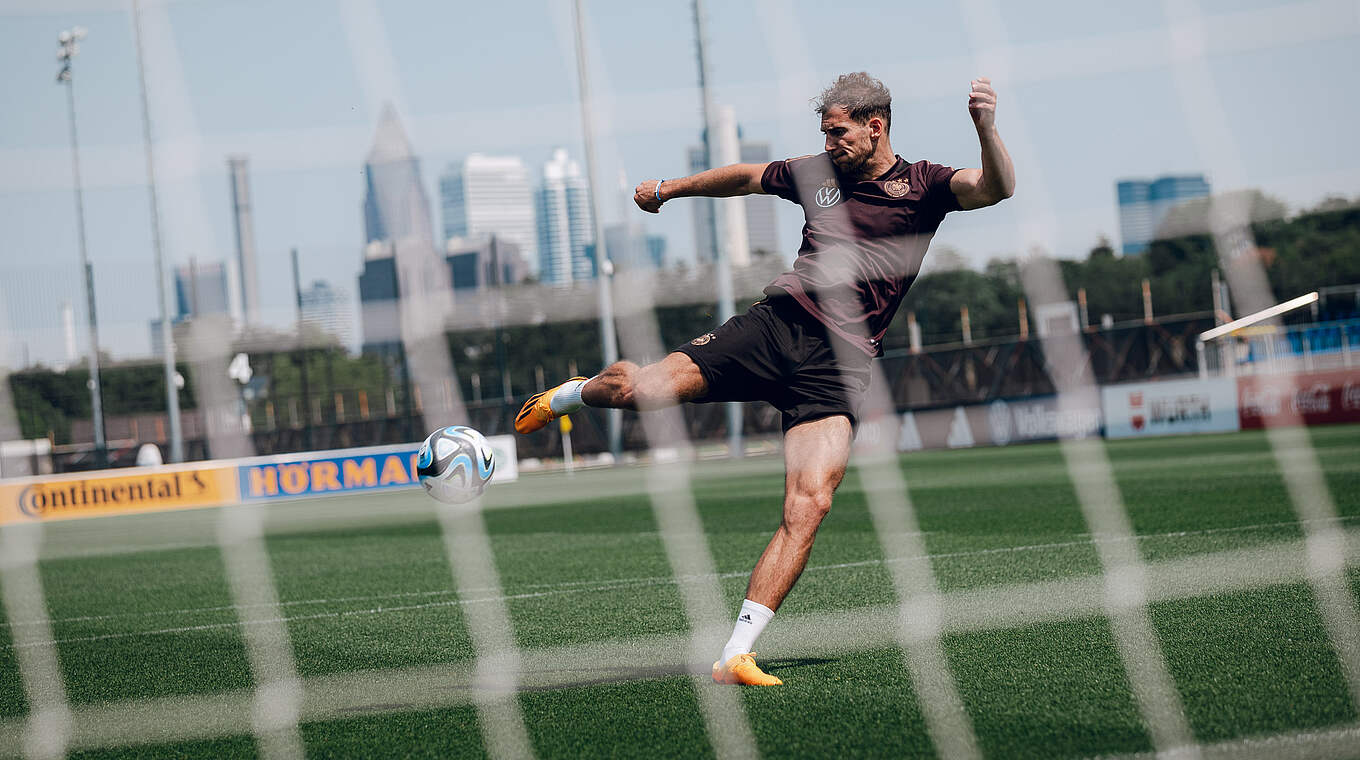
1266, 62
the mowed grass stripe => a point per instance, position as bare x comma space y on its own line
414, 600
12, 699
986, 507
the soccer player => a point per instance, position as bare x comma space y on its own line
807, 347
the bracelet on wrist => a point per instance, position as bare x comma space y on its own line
657, 193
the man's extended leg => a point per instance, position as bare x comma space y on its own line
815, 456
622, 385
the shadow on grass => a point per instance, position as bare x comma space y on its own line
774, 666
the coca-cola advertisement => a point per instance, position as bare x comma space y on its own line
1306, 398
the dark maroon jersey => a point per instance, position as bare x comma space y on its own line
863, 242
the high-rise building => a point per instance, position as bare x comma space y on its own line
484, 262
565, 226
329, 311
630, 248
379, 320
396, 207
762, 230
1144, 204
490, 195
401, 259
201, 290
243, 223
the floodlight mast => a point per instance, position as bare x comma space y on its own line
68, 45
722, 263
167, 338
603, 266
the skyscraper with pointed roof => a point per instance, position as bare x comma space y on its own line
401, 259
395, 204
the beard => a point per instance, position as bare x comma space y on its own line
850, 165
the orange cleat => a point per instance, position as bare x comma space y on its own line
742, 669
537, 411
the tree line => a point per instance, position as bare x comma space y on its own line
1314, 249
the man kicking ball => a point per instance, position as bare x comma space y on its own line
807, 347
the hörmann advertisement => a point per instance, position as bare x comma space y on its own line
349, 470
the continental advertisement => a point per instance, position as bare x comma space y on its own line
223, 483
116, 492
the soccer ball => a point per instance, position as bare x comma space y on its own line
455, 464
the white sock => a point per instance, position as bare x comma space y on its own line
567, 399
750, 622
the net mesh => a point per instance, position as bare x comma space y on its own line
471, 287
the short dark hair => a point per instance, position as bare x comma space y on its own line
863, 96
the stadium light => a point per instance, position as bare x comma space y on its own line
609, 341
68, 45
167, 339
722, 262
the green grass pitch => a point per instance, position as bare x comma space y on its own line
141, 610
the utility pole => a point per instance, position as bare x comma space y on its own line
608, 339
302, 367
69, 44
167, 338
720, 253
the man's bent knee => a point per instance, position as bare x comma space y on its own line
804, 512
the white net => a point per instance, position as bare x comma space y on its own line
404, 216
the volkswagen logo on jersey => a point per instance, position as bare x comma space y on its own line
828, 195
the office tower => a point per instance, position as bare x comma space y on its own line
401, 259
396, 207
248, 311
486, 196
1144, 204
565, 226
329, 311
762, 231
484, 262
201, 290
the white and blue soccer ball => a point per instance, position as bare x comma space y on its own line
455, 464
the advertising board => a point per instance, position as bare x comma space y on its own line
998, 423
349, 470
110, 492
1170, 407
1310, 398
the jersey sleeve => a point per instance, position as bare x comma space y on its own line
778, 180
938, 194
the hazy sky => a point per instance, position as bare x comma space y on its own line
1253, 93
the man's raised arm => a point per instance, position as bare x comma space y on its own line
722, 182
995, 181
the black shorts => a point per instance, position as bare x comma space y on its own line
779, 353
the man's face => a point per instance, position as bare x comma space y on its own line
849, 143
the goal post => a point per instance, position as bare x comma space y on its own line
1241, 327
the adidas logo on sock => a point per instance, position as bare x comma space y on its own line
744, 618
